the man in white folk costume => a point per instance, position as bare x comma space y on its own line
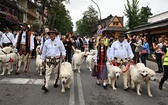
24, 45
7, 38
52, 53
121, 55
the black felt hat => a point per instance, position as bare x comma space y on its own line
121, 34
5, 28
25, 24
52, 31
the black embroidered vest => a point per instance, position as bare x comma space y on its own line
28, 34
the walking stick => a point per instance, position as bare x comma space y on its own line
56, 81
43, 87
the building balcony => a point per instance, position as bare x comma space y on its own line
12, 2
2, 12
7, 17
22, 8
33, 14
32, 4
11, 18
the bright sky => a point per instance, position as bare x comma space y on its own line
114, 7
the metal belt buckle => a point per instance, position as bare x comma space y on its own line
52, 58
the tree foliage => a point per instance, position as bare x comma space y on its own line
131, 12
87, 24
145, 12
36, 27
58, 16
135, 15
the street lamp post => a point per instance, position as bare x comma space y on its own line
97, 7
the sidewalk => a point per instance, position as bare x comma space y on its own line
153, 66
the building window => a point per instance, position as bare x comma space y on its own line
115, 23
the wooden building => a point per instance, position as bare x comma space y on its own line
15, 12
114, 26
156, 27
111, 26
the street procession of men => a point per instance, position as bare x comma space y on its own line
53, 49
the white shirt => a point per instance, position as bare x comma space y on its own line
4, 38
53, 48
159, 48
23, 39
96, 53
87, 40
108, 52
120, 50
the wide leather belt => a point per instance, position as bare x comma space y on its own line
6, 44
121, 61
52, 61
49, 57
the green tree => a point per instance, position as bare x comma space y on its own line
87, 24
36, 27
53, 11
135, 15
131, 12
59, 18
144, 14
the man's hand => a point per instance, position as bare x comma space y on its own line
13, 47
63, 57
30, 52
43, 63
132, 61
40, 52
95, 63
112, 62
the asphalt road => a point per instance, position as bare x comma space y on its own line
25, 89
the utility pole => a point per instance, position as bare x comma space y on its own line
98, 9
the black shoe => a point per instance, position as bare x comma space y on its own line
160, 86
16, 73
115, 85
44, 88
126, 89
55, 85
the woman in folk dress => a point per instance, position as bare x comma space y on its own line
100, 58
